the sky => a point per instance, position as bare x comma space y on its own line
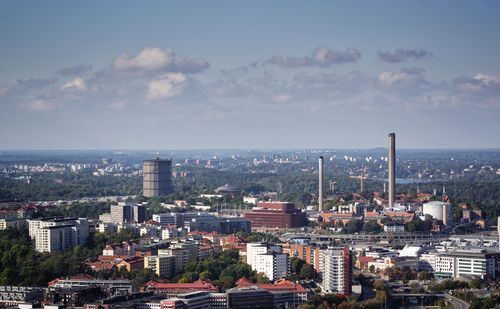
249, 74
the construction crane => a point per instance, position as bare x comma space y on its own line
361, 178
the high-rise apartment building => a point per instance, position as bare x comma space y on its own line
269, 259
58, 234
157, 177
337, 270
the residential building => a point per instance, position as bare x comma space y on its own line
163, 266
337, 271
310, 253
274, 265
58, 234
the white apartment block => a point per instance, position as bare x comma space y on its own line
269, 259
256, 248
274, 265
58, 234
336, 271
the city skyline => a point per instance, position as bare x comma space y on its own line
281, 75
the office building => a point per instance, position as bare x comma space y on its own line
176, 289
120, 213
157, 177
482, 263
138, 213
391, 164
234, 225
12, 296
276, 215
112, 287
126, 212
337, 271
249, 298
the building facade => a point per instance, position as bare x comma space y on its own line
337, 271
157, 177
58, 234
276, 215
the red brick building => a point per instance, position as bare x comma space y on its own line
276, 215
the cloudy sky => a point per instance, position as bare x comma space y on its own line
254, 74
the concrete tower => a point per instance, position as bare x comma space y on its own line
157, 177
320, 187
391, 163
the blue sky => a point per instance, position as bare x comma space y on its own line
256, 74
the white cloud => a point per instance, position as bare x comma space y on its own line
76, 84
39, 105
486, 78
166, 86
148, 59
119, 105
321, 57
389, 78
479, 83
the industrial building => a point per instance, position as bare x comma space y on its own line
438, 210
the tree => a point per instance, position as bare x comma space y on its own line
307, 272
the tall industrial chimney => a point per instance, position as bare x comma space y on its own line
391, 162
320, 186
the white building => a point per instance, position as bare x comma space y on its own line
256, 248
393, 227
269, 259
275, 265
336, 270
452, 264
58, 234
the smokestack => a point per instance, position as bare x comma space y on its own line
391, 162
320, 187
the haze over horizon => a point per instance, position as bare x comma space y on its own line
257, 75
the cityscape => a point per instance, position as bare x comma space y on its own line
184, 155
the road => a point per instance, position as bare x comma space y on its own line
457, 303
